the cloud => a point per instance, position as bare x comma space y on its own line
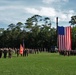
53, 1
12, 14
65, 0
32, 10
48, 1
15, 13
11, 7
44, 11
19, 13
64, 16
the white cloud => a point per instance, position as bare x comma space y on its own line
13, 14
54, 1
52, 12
65, 16
32, 10
47, 12
11, 7
48, 1
44, 11
71, 11
65, 0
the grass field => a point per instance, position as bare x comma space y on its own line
39, 64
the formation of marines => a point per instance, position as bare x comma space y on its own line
8, 52
5, 51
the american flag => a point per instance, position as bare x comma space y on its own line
64, 38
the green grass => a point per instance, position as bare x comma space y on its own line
39, 64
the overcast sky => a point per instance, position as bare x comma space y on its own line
13, 11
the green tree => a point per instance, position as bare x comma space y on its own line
47, 21
11, 26
19, 25
73, 20
73, 37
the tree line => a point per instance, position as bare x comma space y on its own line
36, 33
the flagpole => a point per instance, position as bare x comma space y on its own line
57, 29
23, 44
56, 22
